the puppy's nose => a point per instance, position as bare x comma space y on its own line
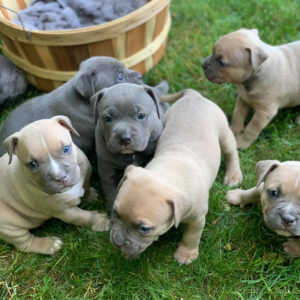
60, 177
125, 139
288, 219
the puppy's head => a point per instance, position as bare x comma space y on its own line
235, 58
128, 117
99, 72
144, 209
281, 195
46, 154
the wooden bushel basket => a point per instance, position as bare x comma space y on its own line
50, 58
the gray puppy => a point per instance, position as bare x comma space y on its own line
128, 127
72, 100
12, 81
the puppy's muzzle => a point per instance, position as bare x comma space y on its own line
206, 64
125, 139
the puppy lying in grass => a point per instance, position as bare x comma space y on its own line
174, 187
46, 179
278, 191
267, 78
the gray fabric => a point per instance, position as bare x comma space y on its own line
69, 14
12, 81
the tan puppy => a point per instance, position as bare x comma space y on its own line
174, 186
278, 190
45, 180
267, 78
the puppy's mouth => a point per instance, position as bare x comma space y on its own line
127, 151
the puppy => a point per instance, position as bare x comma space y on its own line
72, 100
267, 78
128, 127
174, 186
47, 179
12, 81
278, 190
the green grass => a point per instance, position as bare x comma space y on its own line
239, 257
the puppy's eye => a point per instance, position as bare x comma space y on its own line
67, 149
107, 119
273, 194
144, 229
33, 165
142, 116
121, 77
220, 62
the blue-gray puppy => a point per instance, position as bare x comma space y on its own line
128, 127
72, 100
12, 81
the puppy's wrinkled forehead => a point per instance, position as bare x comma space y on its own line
124, 96
42, 138
287, 177
142, 199
233, 45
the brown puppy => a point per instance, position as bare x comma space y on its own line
174, 186
267, 78
278, 190
47, 179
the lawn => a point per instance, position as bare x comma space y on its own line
239, 257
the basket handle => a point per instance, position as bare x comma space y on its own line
27, 33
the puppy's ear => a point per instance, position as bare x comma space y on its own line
264, 168
65, 122
85, 83
180, 205
255, 31
155, 98
94, 100
257, 56
10, 145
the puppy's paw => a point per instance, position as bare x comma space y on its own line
243, 142
92, 196
50, 245
234, 197
292, 246
233, 177
185, 255
100, 222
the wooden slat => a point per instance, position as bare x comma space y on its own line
119, 46
135, 40
10, 44
159, 54
4, 12
160, 21
32, 55
44, 84
63, 58
46, 57
21, 4
103, 48
141, 67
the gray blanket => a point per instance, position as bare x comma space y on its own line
12, 81
69, 14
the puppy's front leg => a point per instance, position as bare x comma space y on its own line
25, 241
244, 197
258, 122
78, 216
240, 113
187, 250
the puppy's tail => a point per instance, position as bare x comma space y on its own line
173, 97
